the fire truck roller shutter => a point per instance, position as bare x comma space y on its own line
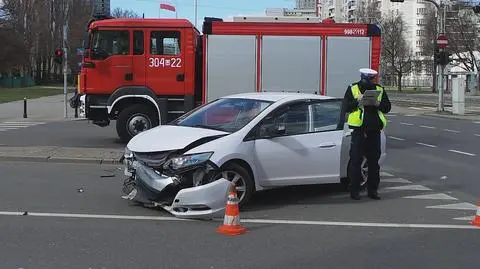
291, 63
345, 55
231, 65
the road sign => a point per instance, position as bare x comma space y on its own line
442, 41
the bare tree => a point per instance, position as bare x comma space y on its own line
38, 24
463, 38
396, 53
124, 13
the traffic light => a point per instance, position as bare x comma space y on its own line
436, 56
58, 56
445, 58
476, 9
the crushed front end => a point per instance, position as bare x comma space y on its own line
187, 186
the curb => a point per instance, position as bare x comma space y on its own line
59, 160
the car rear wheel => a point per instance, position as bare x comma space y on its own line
363, 172
239, 176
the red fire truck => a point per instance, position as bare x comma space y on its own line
146, 72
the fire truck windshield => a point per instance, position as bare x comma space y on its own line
105, 43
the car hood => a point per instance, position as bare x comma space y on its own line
170, 137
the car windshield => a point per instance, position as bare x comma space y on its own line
226, 114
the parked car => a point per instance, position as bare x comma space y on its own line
257, 141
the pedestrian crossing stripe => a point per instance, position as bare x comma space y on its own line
436, 196
396, 180
458, 206
465, 218
410, 188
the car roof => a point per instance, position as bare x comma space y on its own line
277, 96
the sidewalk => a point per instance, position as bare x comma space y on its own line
50, 108
61, 154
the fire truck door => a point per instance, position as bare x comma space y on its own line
138, 61
112, 61
165, 65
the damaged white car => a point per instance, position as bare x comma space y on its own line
256, 141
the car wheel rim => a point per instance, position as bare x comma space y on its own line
238, 181
364, 171
138, 124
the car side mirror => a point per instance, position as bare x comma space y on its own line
272, 130
280, 129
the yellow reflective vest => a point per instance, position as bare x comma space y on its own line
355, 118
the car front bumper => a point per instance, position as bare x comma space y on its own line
204, 201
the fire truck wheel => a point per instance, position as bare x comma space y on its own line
134, 120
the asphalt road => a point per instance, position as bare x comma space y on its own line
442, 153
76, 219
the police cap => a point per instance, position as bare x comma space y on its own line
367, 72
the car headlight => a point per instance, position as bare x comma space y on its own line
128, 153
189, 160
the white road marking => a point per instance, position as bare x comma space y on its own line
452, 131
437, 196
459, 206
396, 138
465, 218
477, 122
462, 152
391, 115
410, 115
416, 108
428, 127
264, 221
426, 145
476, 134
395, 180
385, 174
405, 123
410, 188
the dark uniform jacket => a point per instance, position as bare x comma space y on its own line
371, 120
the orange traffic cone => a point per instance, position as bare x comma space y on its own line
231, 223
476, 220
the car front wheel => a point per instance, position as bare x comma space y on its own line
240, 177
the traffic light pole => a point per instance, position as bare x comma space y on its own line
441, 104
65, 59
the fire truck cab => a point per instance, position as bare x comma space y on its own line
146, 72
134, 68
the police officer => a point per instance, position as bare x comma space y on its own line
366, 121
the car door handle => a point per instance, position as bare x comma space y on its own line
327, 145
129, 76
180, 77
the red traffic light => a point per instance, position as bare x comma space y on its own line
59, 52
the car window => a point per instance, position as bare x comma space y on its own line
326, 116
295, 119
225, 114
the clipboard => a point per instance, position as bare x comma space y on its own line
369, 98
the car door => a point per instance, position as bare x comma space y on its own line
308, 152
